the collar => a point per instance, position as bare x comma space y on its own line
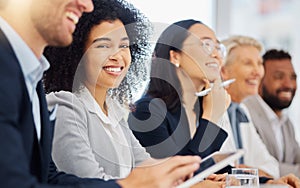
115, 111
32, 67
270, 114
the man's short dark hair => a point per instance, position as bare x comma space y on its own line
274, 54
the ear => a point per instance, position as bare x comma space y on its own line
225, 73
174, 58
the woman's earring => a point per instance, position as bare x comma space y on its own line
177, 65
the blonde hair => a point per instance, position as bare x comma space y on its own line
239, 40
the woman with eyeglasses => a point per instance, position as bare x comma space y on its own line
170, 119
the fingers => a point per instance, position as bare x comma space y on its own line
177, 161
178, 182
280, 181
221, 177
291, 179
211, 177
206, 83
217, 177
228, 100
190, 176
242, 166
209, 184
181, 167
218, 82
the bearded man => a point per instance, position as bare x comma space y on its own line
276, 92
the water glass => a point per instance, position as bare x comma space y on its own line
243, 177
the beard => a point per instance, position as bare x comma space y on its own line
274, 101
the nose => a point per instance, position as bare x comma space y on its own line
86, 5
116, 56
216, 54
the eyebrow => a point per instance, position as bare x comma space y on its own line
211, 39
108, 39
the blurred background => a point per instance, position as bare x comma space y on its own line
273, 22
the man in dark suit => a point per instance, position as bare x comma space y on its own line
26, 27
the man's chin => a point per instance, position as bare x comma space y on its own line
61, 42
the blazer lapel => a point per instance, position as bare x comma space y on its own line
45, 141
263, 125
289, 149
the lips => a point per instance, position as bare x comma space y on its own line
212, 64
252, 81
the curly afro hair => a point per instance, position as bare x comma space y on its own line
64, 61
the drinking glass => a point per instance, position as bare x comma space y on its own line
243, 177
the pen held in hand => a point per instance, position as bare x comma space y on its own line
206, 91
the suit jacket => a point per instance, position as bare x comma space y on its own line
166, 133
25, 161
81, 146
291, 159
256, 153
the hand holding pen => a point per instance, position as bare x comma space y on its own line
206, 91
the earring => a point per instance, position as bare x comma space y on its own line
177, 65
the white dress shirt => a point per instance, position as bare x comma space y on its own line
256, 153
277, 124
112, 127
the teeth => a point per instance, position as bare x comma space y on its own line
110, 69
286, 94
212, 65
253, 81
72, 17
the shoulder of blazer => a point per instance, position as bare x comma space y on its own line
9, 66
12, 82
255, 109
5, 46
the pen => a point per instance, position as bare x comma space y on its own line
206, 91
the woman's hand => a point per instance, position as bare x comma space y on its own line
216, 102
217, 177
210, 184
291, 180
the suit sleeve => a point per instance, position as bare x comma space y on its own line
151, 127
164, 134
208, 139
139, 152
293, 164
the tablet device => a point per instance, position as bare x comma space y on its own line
212, 164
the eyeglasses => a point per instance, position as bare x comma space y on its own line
209, 46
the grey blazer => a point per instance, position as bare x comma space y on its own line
80, 144
291, 159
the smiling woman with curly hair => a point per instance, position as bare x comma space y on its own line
91, 81
65, 61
